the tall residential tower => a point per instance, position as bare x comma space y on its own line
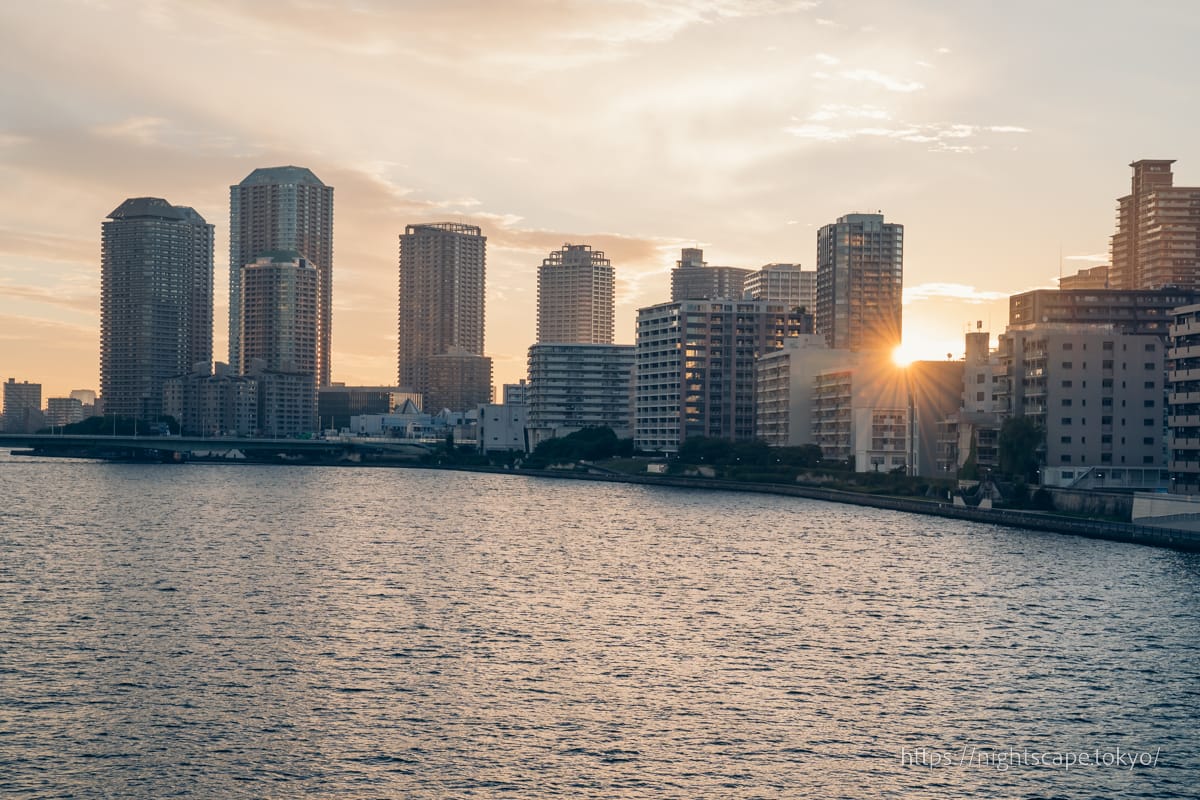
441, 311
1157, 242
575, 297
860, 280
156, 283
282, 209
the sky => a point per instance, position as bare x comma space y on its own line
999, 134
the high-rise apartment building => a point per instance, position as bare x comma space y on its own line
280, 313
441, 314
860, 282
575, 296
1157, 242
784, 283
22, 406
156, 283
694, 279
280, 339
694, 367
282, 209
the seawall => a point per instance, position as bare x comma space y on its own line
1174, 539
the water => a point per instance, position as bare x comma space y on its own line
212, 631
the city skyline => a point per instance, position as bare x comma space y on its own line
988, 159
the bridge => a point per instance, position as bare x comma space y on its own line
175, 449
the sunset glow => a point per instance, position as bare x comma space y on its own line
637, 128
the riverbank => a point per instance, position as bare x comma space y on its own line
1175, 539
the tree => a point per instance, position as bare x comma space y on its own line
1017, 447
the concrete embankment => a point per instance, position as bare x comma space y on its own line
1093, 529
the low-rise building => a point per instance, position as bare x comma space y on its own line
502, 427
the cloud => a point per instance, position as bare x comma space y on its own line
1099, 258
880, 79
139, 130
952, 291
822, 125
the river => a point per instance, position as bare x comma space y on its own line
261, 631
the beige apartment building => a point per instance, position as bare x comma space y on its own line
575, 296
1157, 242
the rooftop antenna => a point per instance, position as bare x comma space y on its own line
1060, 264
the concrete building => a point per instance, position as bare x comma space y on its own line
574, 386
282, 209
502, 427
337, 403
861, 415
1091, 278
1157, 243
212, 403
1183, 398
694, 279
860, 283
22, 406
1145, 311
156, 283
784, 283
63, 411
441, 311
784, 388
516, 393
575, 296
694, 367
1096, 392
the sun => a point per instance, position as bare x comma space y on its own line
904, 354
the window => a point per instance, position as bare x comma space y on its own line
1106, 438
1106, 458
1068, 346
1106, 364
1066, 384
1066, 420
1149, 365
1066, 401
1065, 458
1106, 383
1150, 348
1147, 404
1067, 365
1148, 422
1107, 346
1064, 440
1148, 385
1106, 420
1106, 402
979, 378
1147, 459
979, 397
1148, 440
